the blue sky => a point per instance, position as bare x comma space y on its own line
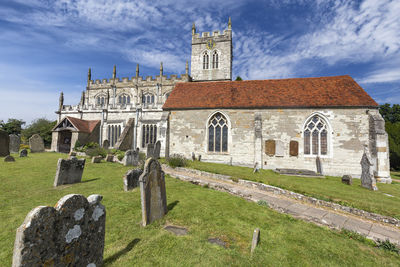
47, 46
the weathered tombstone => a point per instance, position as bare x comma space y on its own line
230, 162
199, 157
36, 143
367, 174
110, 158
69, 171
106, 144
23, 153
69, 234
319, 164
97, 159
150, 151
294, 148
15, 142
152, 192
256, 168
156, 151
256, 239
270, 147
279, 148
131, 157
131, 179
193, 156
347, 179
4, 144
9, 158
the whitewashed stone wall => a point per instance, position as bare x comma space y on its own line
348, 133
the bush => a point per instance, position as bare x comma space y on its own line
387, 245
177, 161
98, 151
120, 154
91, 145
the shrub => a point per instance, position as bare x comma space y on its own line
177, 161
98, 151
90, 145
263, 203
120, 154
387, 245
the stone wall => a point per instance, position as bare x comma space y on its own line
348, 133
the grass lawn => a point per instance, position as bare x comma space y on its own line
27, 183
395, 175
330, 188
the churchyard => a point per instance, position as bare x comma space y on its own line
206, 215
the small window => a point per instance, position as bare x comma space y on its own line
205, 60
215, 60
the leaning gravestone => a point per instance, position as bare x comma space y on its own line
69, 171
319, 164
36, 143
131, 157
23, 153
367, 174
106, 144
255, 240
150, 151
69, 234
4, 144
131, 179
15, 142
9, 158
152, 192
347, 179
156, 151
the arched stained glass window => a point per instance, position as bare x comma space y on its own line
215, 60
218, 133
316, 136
206, 60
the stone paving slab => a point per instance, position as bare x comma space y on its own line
298, 209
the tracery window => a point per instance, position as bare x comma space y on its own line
100, 100
114, 132
148, 99
124, 99
316, 136
206, 60
149, 134
218, 133
215, 60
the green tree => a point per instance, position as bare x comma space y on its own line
12, 126
42, 127
391, 114
238, 78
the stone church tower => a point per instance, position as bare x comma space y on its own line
211, 58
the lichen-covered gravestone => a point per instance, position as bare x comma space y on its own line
150, 151
69, 234
157, 149
367, 174
15, 142
131, 179
23, 153
152, 192
347, 179
36, 143
131, 157
4, 144
69, 171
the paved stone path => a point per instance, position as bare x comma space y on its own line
305, 211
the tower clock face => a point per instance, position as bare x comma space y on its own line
210, 44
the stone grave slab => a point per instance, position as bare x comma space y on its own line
4, 143
15, 142
36, 143
69, 171
131, 179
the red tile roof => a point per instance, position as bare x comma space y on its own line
337, 91
86, 126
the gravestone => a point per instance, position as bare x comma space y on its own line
4, 144
131, 157
69, 171
294, 148
319, 164
156, 151
23, 153
347, 179
256, 239
69, 234
9, 158
199, 157
367, 173
97, 159
36, 143
110, 158
256, 168
152, 192
193, 156
270, 147
131, 179
106, 144
279, 148
15, 142
150, 151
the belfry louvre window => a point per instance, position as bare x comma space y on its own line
149, 134
316, 137
217, 133
215, 60
206, 60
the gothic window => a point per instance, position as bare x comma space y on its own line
218, 133
215, 60
148, 99
100, 100
205, 60
149, 134
124, 99
114, 132
316, 136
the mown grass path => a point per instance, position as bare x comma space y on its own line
206, 213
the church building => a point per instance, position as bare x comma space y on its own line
271, 124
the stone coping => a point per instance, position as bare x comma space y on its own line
293, 195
